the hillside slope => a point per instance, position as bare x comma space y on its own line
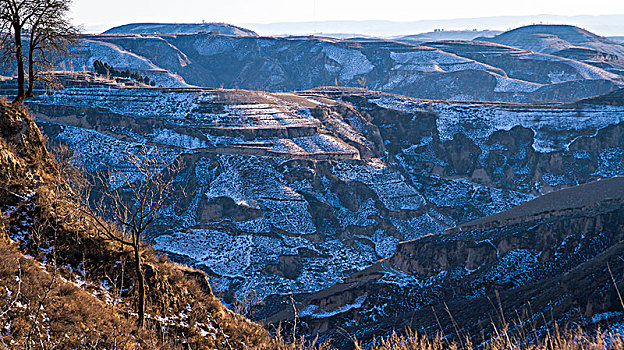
570, 199
64, 286
615, 98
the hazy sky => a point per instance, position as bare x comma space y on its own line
103, 14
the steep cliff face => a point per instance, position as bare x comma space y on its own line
292, 192
275, 179
526, 149
550, 258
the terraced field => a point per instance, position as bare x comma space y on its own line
298, 190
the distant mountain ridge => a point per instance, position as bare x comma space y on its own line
180, 28
565, 41
549, 38
447, 35
459, 70
610, 25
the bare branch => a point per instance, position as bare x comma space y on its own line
133, 203
40, 27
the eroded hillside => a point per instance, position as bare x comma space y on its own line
556, 258
289, 193
222, 56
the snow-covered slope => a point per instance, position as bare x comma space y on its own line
526, 65
456, 70
295, 191
549, 256
88, 51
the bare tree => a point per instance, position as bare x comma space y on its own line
43, 27
50, 37
13, 17
130, 201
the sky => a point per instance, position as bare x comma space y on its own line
98, 15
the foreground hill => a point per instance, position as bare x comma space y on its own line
66, 287
293, 191
551, 258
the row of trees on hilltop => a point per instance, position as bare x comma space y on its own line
108, 70
34, 34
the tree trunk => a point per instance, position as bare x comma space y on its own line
19, 58
31, 72
140, 284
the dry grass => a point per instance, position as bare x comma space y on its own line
571, 340
42, 310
